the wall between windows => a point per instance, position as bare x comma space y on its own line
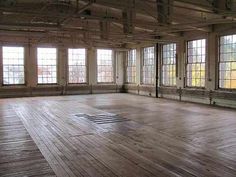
208, 95
31, 88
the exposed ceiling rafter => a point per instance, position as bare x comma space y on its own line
127, 20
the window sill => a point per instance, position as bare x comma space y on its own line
194, 88
14, 86
77, 84
129, 83
47, 85
168, 86
106, 83
226, 90
147, 85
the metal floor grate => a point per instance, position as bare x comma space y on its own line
103, 118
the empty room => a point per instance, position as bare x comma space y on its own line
117, 88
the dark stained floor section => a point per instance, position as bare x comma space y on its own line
160, 137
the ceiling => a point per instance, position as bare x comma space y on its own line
114, 22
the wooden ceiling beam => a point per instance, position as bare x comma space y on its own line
164, 11
222, 5
128, 16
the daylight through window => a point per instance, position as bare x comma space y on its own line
149, 65
105, 71
196, 63
131, 67
169, 64
13, 65
47, 65
227, 63
77, 66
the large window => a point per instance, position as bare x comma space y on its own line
13, 65
227, 62
196, 56
131, 67
169, 64
47, 65
148, 65
77, 66
105, 73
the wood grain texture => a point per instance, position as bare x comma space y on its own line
19, 155
162, 138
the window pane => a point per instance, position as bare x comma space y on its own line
77, 66
13, 65
131, 67
148, 65
196, 63
47, 65
169, 64
227, 63
105, 66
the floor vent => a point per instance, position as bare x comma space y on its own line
103, 118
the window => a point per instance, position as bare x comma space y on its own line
13, 65
105, 72
131, 67
227, 62
148, 65
77, 66
196, 63
47, 65
169, 64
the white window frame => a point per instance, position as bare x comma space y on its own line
202, 70
227, 62
78, 66
131, 64
14, 65
56, 67
168, 64
150, 67
112, 65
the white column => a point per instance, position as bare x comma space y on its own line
31, 65
211, 61
181, 57
92, 66
120, 67
62, 65
138, 66
1, 68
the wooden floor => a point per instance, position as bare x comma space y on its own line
160, 137
19, 155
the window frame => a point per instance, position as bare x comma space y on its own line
217, 84
186, 64
142, 65
57, 67
24, 66
126, 66
86, 66
113, 66
162, 64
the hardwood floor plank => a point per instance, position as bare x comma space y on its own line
19, 156
161, 138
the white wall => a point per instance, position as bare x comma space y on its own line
210, 94
31, 87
